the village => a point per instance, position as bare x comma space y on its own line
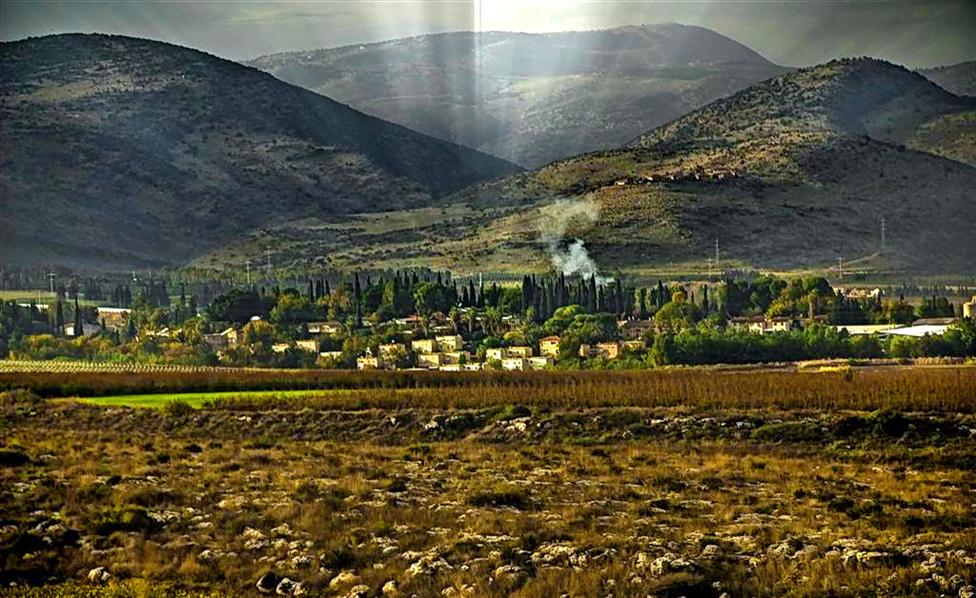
411, 322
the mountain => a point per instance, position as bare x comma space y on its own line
531, 98
129, 151
792, 173
959, 79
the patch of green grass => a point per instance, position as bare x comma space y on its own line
195, 400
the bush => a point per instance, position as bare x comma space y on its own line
788, 432
177, 408
503, 497
13, 457
514, 412
19, 396
129, 518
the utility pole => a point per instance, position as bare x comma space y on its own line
247, 265
267, 255
709, 262
51, 276
840, 267
716, 252
883, 234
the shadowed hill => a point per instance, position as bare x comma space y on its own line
129, 151
531, 98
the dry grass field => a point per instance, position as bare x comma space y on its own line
544, 486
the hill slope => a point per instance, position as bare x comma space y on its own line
531, 98
794, 172
959, 79
129, 151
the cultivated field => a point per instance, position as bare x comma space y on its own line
693, 482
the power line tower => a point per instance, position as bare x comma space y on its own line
247, 265
267, 255
840, 268
716, 252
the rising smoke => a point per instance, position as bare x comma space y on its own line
556, 221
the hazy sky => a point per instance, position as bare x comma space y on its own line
795, 33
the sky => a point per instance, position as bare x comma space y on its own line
788, 32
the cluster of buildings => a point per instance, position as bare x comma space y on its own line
447, 353
674, 177
917, 329
767, 324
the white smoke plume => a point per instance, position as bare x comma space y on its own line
557, 219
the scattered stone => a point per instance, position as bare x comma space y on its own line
359, 591
286, 587
99, 575
268, 583
344, 578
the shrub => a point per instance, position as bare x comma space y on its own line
888, 423
177, 408
129, 518
514, 412
19, 396
501, 497
10, 457
788, 432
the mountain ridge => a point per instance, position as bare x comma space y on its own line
784, 175
959, 78
204, 144
531, 97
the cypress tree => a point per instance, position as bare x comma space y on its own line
357, 294
58, 317
78, 329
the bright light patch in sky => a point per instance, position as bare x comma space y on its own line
789, 32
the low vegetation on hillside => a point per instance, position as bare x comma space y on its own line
158, 152
793, 172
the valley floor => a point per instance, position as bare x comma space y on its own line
498, 501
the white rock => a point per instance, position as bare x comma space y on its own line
99, 575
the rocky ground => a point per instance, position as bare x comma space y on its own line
493, 502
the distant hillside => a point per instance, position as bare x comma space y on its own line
960, 78
129, 151
795, 172
531, 98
